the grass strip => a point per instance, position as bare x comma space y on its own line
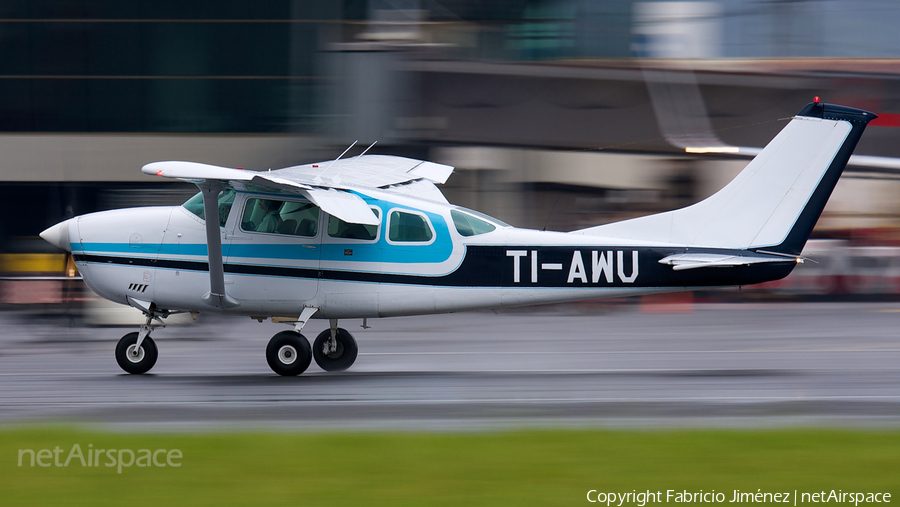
540, 467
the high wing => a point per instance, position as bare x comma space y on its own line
330, 185
333, 186
368, 171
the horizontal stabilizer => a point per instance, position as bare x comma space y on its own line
680, 262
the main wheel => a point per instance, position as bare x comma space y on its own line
136, 360
343, 357
288, 353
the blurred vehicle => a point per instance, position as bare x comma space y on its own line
33, 273
49, 283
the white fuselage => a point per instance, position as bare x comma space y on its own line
158, 255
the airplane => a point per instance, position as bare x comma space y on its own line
372, 236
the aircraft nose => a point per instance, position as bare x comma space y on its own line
58, 235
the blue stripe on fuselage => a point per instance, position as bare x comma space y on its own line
379, 251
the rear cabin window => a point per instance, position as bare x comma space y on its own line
273, 216
409, 227
467, 225
337, 228
226, 200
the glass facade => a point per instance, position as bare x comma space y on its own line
161, 66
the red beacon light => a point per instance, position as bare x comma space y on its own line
159, 173
816, 99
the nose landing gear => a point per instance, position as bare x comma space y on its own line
134, 358
136, 352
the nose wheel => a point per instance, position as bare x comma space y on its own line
136, 353
288, 353
335, 349
134, 357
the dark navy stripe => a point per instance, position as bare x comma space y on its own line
490, 266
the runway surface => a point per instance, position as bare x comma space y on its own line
720, 365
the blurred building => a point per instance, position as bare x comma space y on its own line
557, 114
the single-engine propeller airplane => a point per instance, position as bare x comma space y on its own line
372, 236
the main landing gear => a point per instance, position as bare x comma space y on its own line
136, 352
289, 353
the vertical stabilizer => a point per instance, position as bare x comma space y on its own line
774, 203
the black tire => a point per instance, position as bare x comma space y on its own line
343, 357
288, 353
144, 359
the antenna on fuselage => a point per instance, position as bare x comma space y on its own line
365, 150
547, 222
319, 176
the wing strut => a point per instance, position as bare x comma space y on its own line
216, 295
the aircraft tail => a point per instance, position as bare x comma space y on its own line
774, 203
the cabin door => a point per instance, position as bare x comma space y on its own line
272, 252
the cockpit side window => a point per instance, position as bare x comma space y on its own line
226, 200
468, 225
409, 227
273, 216
337, 228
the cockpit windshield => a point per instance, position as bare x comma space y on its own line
472, 223
226, 199
482, 216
